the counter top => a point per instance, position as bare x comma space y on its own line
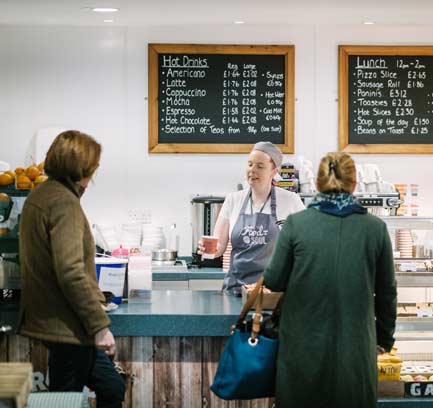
186, 313
169, 313
178, 313
192, 313
191, 274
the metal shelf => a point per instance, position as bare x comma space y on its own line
414, 328
415, 223
414, 279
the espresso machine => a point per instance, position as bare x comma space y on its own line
205, 211
10, 211
380, 204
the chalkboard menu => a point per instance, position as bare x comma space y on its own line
220, 98
386, 99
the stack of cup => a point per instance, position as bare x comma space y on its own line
404, 243
226, 257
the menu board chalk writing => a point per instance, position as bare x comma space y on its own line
219, 98
386, 99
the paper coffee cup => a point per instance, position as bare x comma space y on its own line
210, 246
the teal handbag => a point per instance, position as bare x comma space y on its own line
247, 366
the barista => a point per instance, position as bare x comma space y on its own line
250, 218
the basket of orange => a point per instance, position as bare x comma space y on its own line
389, 366
7, 178
27, 178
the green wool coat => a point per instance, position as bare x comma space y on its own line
60, 297
340, 302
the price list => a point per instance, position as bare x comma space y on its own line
390, 99
218, 98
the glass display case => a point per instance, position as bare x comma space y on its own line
412, 239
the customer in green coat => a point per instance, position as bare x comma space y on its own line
334, 262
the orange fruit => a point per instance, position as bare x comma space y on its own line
23, 182
20, 170
40, 179
6, 179
41, 166
32, 172
4, 197
11, 173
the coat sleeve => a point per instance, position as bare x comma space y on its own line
66, 234
386, 294
276, 275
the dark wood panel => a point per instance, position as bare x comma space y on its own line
3, 348
39, 357
190, 371
160, 371
166, 372
39, 360
212, 349
123, 358
19, 349
142, 371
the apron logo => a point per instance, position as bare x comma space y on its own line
254, 236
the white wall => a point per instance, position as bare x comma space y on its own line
95, 80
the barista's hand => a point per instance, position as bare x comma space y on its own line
380, 350
104, 339
200, 247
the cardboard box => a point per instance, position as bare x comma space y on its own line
270, 300
15, 384
391, 388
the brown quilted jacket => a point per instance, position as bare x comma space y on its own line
60, 298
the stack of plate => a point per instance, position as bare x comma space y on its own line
131, 235
404, 243
153, 236
226, 257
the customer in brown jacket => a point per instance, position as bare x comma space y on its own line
60, 299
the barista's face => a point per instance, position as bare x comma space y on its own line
260, 170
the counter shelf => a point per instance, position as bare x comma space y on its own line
414, 279
407, 222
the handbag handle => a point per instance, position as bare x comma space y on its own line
251, 299
257, 317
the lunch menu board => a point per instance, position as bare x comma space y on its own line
219, 98
386, 99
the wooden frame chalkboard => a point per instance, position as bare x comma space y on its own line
260, 82
385, 99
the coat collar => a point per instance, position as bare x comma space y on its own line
75, 188
338, 204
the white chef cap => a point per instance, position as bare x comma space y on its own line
272, 151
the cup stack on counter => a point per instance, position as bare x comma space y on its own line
226, 257
404, 243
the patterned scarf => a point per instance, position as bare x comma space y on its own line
339, 204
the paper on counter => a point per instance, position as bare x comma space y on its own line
140, 278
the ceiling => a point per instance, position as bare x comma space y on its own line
215, 12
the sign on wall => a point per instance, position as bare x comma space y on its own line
386, 99
220, 98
